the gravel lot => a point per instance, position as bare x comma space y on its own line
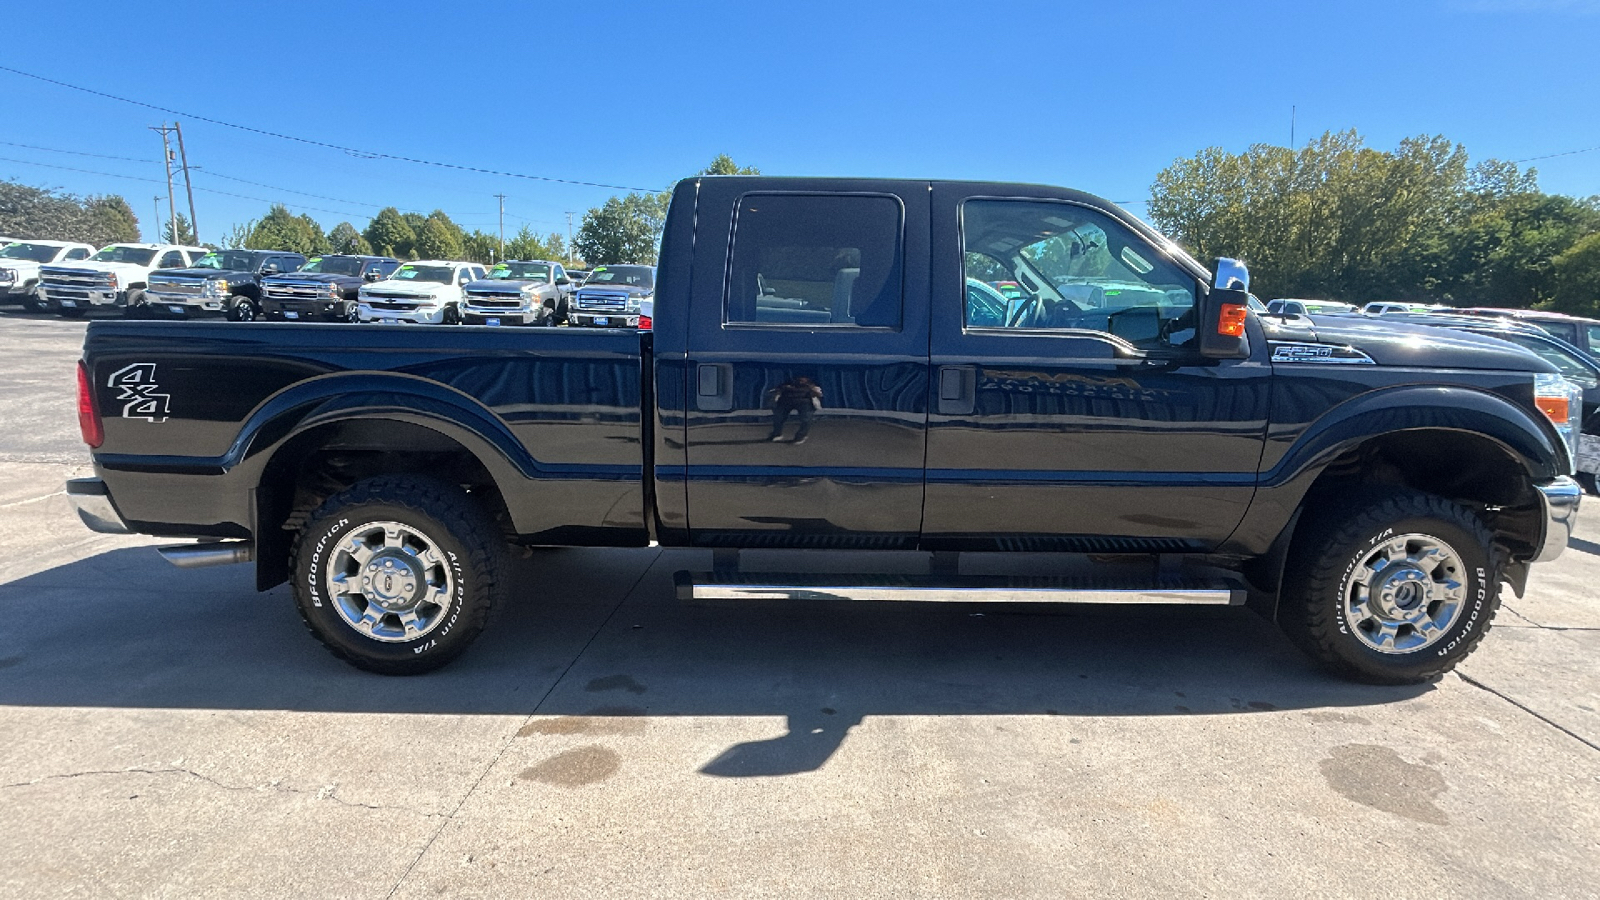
174, 733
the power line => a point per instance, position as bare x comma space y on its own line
78, 153
1554, 155
352, 151
336, 212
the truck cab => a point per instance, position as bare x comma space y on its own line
426, 292
114, 278
518, 292
222, 282
326, 288
21, 261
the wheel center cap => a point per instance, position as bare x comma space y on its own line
1404, 592
392, 580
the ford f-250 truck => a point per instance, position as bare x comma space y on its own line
822, 376
223, 281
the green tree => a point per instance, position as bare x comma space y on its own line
623, 230
439, 238
110, 220
1505, 253
723, 164
1577, 275
390, 235
527, 245
238, 236
280, 229
184, 235
345, 239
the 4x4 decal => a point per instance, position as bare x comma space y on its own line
137, 383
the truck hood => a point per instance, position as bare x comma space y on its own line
632, 290
513, 284
92, 266
199, 274
419, 288
1396, 344
319, 277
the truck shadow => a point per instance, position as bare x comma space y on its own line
597, 634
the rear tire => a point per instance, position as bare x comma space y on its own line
1391, 588
31, 300
452, 316
398, 574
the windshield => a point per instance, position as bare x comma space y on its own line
227, 260
441, 274
1569, 364
35, 252
139, 256
333, 265
632, 276
521, 272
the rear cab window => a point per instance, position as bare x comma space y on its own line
816, 260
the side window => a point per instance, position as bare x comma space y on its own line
77, 253
172, 259
560, 273
1064, 266
1594, 337
816, 259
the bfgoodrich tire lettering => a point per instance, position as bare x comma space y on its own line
398, 574
1393, 588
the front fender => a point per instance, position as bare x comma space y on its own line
1521, 434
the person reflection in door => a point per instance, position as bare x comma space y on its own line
800, 396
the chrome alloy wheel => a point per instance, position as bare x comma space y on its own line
390, 582
1405, 593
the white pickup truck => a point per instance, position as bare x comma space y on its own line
19, 268
425, 292
115, 277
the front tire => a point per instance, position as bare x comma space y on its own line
452, 316
242, 309
135, 307
1589, 482
398, 574
1392, 588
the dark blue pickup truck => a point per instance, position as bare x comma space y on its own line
832, 368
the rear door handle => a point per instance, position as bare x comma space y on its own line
714, 387
957, 390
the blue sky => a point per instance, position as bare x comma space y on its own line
1097, 96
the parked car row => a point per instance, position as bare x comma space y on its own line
158, 280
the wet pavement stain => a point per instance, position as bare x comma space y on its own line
615, 683
604, 720
9, 661
1378, 777
575, 768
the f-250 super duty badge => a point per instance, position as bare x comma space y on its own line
138, 387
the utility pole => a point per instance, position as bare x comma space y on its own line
194, 226
166, 159
502, 225
572, 254
157, 201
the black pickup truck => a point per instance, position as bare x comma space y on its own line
325, 289
226, 282
832, 369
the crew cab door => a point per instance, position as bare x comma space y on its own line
1067, 411
807, 365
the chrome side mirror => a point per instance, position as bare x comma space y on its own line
1232, 275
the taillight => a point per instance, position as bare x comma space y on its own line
88, 410
1230, 320
644, 323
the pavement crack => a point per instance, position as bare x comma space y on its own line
25, 502
1530, 711
326, 792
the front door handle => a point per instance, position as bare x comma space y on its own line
714, 387
957, 390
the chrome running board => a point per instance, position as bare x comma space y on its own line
735, 586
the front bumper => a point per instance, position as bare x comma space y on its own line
183, 304
419, 316
93, 503
481, 315
604, 320
1558, 498
81, 298
330, 308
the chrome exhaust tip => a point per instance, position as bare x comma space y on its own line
208, 553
